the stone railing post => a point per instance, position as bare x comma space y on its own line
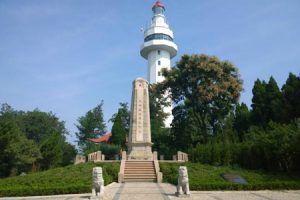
155, 155
159, 174
124, 155
174, 157
161, 157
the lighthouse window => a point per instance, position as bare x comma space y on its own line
158, 74
158, 62
158, 36
158, 52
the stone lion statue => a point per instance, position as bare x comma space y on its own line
98, 182
183, 187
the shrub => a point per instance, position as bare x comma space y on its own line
207, 177
70, 179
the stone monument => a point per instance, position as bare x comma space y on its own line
139, 142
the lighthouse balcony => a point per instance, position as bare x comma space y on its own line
154, 45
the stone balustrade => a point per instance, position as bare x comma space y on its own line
96, 156
181, 156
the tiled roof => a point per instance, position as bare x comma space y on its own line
105, 138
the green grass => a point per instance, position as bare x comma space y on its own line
72, 179
207, 177
78, 179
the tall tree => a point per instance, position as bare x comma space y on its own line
118, 131
210, 88
259, 117
159, 133
91, 125
242, 120
17, 153
38, 125
291, 95
124, 113
274, 101
267, 102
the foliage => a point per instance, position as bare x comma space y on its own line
206, 177
291, 96
118, 131
273, 148
69, 153
91, 125
159, 133
72, 179
242, 120
124, 112
208, 88
17, 153
109, 150
38, 126
35, 140
267, 102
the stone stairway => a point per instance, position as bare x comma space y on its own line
139, 171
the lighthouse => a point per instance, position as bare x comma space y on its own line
159, 48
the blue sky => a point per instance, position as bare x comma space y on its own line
65, 56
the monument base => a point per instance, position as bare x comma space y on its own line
140, 151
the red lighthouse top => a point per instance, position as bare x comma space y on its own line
158, 4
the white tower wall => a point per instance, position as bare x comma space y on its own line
157, 60
158, 48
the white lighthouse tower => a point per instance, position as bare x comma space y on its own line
158, 49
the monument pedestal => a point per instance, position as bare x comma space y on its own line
140, 151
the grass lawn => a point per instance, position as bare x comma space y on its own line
72, 179
207, 177
78, 179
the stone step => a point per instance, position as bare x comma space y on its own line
135, 167
139, 172
140, 180
141, 164
140, 176
139, 169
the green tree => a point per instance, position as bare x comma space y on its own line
160, 135
44, 129
69, 153
17, 153
267, 102
291, 94
91, 125
208, 87
274, 101
242, 120
38, 125
124, 112
118, 131
259, 117
52, 151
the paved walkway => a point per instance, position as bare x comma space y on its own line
164, 191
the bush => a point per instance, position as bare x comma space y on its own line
275, 148
71, 179
207, 177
